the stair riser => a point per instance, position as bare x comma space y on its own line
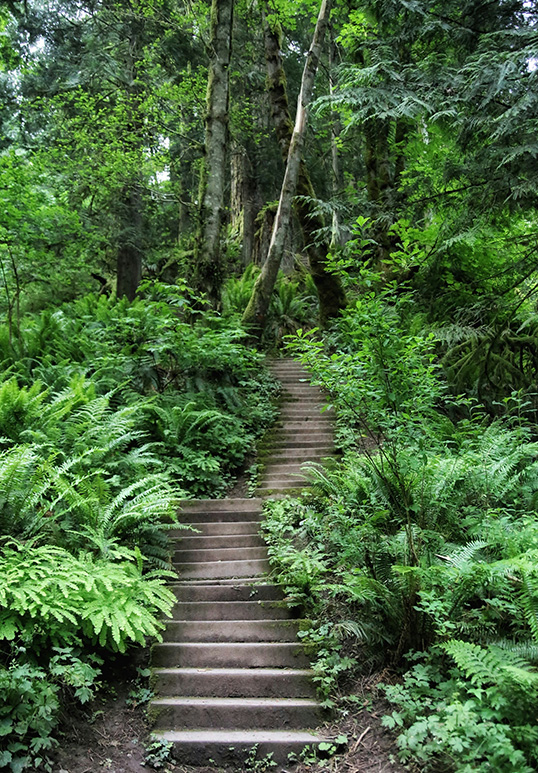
221, 569
296, 431
208, 716
270, 483
237, 504
288, 468
230, 610
190, 592
230, 631
219, 554
246, 684
292, 440
266, 655
297, 456
220, 516
220, 541
233, 756
219, 528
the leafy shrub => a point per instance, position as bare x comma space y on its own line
50, 598
423, 538
31, 704
480, 715
28, 716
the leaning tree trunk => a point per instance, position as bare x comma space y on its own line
256, 312
207, 258
330, 291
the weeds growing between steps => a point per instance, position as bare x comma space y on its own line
110, 412
420, 552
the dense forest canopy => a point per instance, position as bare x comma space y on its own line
182, 182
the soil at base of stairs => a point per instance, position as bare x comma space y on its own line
111, 733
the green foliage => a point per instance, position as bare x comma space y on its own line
50, 597
158, 753
479, 715
31, 705
423, 538
293, 303
28, 716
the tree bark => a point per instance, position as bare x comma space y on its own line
129, 257
330, 291
130, 253
207, 259
256, 312
337, 238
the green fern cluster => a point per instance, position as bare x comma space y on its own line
477, 715
50, 597
110, 413
293, 302
422, 539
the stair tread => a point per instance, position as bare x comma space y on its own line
197, 700
230, 737
250, 659
236, 671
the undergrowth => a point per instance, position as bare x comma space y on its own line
110, 413
418, 549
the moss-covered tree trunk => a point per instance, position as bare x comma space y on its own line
207, 259
330, 291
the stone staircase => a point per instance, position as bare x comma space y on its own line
230, 674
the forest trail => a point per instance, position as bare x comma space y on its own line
231, 675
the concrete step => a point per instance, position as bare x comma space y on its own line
291, 440
228, 655
308, 426
217, 505
210, 541
230, 748
285, 469
189, 555
197, 517
235, 682
236, 713
293, 397
295, 378
281, 480
272, 490
222, 569
230, 610
192, 592
317, 408
231, 630
215, 528
299, 455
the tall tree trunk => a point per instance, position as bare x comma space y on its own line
243, 199
256, 312
337, 239
330, 291
129, 257
130, 238
207, 258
